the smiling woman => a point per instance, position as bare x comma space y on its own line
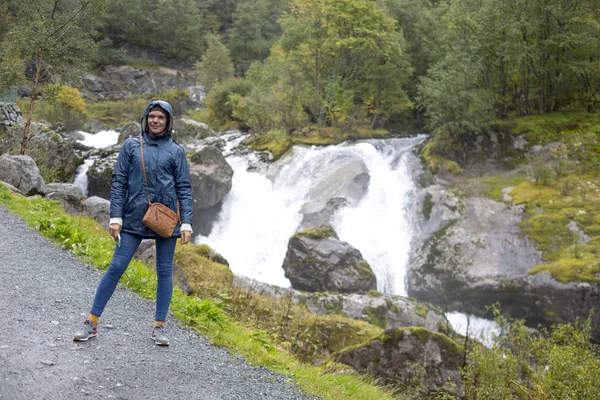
130, 196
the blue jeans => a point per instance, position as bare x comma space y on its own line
165, 250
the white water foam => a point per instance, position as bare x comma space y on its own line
258, 217
99, 140
478, 328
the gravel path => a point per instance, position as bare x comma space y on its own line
46, 293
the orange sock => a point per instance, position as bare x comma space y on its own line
93, 318
161, 323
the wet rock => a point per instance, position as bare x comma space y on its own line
100, 176
400, 356
211, 177
130, 129
98, 209
317, 261
22, 173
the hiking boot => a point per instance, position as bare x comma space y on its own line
88, 330
159, 335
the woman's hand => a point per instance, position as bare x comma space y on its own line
114, 230
186, 236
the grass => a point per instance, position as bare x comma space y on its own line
278, 141
91, 243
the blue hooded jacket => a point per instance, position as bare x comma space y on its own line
167, 173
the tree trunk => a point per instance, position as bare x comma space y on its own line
32, 98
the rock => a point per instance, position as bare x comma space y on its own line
10, 187
319, 213
22, 173
100, 176
211, 177
197, 94
56, 156
214, 141
69, 194
347, 176
317, 261
10, 114
130, 129
378, 309
98, 209
63, 188
401, 356
138, 81
482, 257
189, 132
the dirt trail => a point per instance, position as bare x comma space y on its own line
45, 294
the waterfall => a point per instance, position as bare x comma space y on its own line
81, 178
98, 140
259, 216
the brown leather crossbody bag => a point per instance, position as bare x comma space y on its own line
160, 218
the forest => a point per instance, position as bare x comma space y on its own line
450, 65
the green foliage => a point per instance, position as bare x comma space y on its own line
174, 29
216, 66
63, 106
317, 233
521, 364
427, 205
344, 48
254, 31
224, 98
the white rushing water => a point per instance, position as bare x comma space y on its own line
259, 216
478, 328
81, 178
98, 140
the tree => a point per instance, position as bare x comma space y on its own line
216, 66
340, 44
254, 30
56, 36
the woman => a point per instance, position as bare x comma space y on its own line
168, 183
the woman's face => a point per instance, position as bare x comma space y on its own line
157, 122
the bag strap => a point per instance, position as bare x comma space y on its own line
146, 179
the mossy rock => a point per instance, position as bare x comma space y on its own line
202, 273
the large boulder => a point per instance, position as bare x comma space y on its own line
317, 261
22, 173
98, 209
69, 194
100, 176
348, 177
63, 188
188, 131
319, 213
480, 256
130, 129
211, 177
56, 156
407, 355
118, 82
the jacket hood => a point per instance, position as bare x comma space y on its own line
167, 108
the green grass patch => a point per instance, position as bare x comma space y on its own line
91, 243
550, 209
547, 128
278, 141
495, 184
